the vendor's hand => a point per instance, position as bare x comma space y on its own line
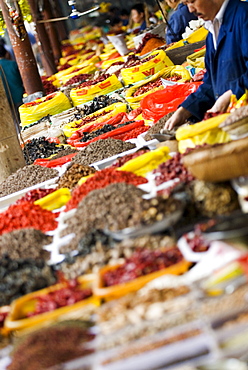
177, 119
221, 103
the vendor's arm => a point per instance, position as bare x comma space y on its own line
222, 103
177, 119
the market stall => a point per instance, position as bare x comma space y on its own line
134, 249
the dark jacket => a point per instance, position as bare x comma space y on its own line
178, 22
13, 79
227, 66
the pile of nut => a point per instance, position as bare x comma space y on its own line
73, 174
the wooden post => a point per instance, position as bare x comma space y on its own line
24, 55
11, 156
52, 32
47, 52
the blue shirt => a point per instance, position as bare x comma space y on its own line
227, 65
178, 21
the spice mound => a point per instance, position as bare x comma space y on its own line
25, 243
49, 347
27, 215
66, 296
26, 177
155, 129
39, 148
116, 207
142, 262
100, 180
73, 175
101, 149
23, 276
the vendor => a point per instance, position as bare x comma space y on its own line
138, 17
178, 20
226, 59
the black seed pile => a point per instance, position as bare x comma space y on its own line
100, 150
99, 102
22, 276
25, 243
25, 177
39, 148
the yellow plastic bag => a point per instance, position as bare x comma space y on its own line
85, 94
211, 137
146, 69
185, 132
134, 101
51, 104
111, 111
198, 35
107, 63
89, 69
147, 161
197, 59
235, 103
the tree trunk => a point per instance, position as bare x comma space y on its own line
11, 156
24, 56
52, 32
47, 57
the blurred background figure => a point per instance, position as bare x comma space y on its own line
178, 19
124, 15
12, 82
138, 19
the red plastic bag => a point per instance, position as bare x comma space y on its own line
156, 105
54, 162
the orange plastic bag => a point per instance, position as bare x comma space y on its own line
156, 105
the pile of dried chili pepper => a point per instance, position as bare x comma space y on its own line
27, 215
100, 180
142, 262
35, 194
70, 294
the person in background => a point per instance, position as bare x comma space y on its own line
226, 59
12, 81
179, 18
138, 17
124, 15
115, 26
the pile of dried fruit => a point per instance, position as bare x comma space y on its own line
73, 174
100, 180
27, 215
142, 262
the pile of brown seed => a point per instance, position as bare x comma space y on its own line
25, 243
155, 129
100, 150
116, 207
74, 174
25, 177
64, 152
50, 346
